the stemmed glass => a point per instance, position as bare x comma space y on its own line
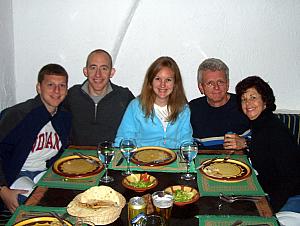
107, 151
188, 151
127, 146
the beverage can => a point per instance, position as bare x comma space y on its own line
136, 206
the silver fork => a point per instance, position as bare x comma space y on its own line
59, 218
203, 164
88, 158
231, 199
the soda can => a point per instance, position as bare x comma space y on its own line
136, 206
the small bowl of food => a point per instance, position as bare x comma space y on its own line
183, 195
139, 182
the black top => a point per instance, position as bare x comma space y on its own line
210, 124
275, 156
93, 123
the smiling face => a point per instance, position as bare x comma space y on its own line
252, 103
163, 85
98, 71
52, 90
214, 86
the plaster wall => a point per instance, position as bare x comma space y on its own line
7, 81
253, 37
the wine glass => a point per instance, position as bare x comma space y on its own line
188, 151
107, 151
127, 146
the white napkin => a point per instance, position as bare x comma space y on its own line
25, 183
288, 218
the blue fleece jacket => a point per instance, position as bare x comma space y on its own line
150, 131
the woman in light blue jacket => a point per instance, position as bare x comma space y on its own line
159, 116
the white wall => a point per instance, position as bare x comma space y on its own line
7, 81
253, 37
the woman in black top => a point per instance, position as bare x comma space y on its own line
273, 150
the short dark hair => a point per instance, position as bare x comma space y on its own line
99, 51
262, 87
52, 69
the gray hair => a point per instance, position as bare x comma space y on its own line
212, 64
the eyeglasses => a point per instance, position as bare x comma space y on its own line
213, 84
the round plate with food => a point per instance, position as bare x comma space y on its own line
139, 182
74, 166
153, 156
42, 221
183, 195
225, 170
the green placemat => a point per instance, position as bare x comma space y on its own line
53, 180
208, 187
178, 166
26, 212
213, 220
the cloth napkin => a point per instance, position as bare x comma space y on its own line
208, 187
25, 212
178, 166
228, 220
53, 180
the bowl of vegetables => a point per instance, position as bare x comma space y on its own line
183, 195
139, 182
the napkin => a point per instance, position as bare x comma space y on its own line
26, 183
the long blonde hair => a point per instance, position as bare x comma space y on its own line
177, 98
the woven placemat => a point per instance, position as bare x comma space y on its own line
178, 166
25, 212
53, 180
213, 220
208, 187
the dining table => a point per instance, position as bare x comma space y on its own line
54, 193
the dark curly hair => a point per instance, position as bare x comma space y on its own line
262, 88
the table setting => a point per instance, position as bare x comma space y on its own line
57, 177
30, 213
236, 185
203, 197
174, 163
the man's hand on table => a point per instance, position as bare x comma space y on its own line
10, 197
234, 141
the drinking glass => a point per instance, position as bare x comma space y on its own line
163, 202
153, 220
188, 151
127, 146
107, 151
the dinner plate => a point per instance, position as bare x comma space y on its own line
153, 156
40, 221
138, 177
228, 170
195, 194
74, 166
